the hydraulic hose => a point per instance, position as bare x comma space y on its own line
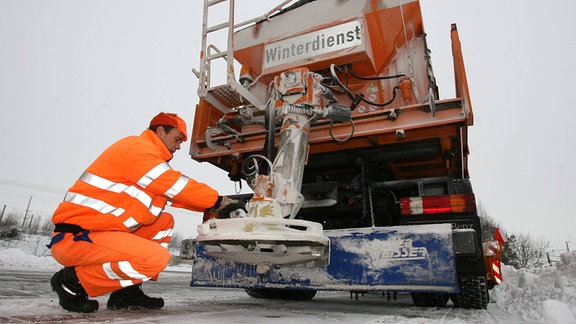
356, 98
270, 124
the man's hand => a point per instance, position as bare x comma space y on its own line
229, 208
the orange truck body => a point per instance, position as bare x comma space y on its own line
379, 149
382, 54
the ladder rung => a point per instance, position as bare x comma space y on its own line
215, 56
217, 27
213, 2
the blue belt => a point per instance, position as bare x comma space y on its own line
80, 234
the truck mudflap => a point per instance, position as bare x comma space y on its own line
401, 258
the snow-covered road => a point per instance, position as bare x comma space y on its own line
25, 296
537, 295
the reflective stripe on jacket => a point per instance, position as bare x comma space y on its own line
128, 185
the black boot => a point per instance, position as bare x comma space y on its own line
72, 296
132, 297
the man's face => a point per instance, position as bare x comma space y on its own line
171, 139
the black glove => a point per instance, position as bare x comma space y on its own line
228, 208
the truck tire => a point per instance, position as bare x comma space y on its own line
430, 299
473, 293
275, 293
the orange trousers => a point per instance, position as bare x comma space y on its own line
115, 260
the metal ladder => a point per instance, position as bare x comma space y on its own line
233, 94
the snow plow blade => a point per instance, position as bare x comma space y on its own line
400, 258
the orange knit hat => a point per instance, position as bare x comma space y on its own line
170, 119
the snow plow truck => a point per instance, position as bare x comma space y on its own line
330, 112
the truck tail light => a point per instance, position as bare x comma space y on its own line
460, 203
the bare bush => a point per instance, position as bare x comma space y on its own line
175, 241
487, 223
520, 250
47, 226
9, 219
525, 251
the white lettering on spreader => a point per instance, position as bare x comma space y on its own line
379, 252
315, 43
408, 251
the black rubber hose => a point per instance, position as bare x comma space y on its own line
270, 123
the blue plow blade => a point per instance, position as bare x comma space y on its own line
400, 258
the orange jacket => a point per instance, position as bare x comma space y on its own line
128, 185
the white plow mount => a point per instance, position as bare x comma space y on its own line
265, 241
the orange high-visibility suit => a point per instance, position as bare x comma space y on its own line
118, 202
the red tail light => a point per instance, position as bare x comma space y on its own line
460, 203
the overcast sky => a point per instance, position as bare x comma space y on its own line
77, 75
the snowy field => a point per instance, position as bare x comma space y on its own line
544, 295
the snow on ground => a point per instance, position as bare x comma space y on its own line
31, 252
546, 295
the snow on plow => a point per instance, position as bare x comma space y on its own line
264, 240
400, 258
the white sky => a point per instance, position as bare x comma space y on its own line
75, 76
